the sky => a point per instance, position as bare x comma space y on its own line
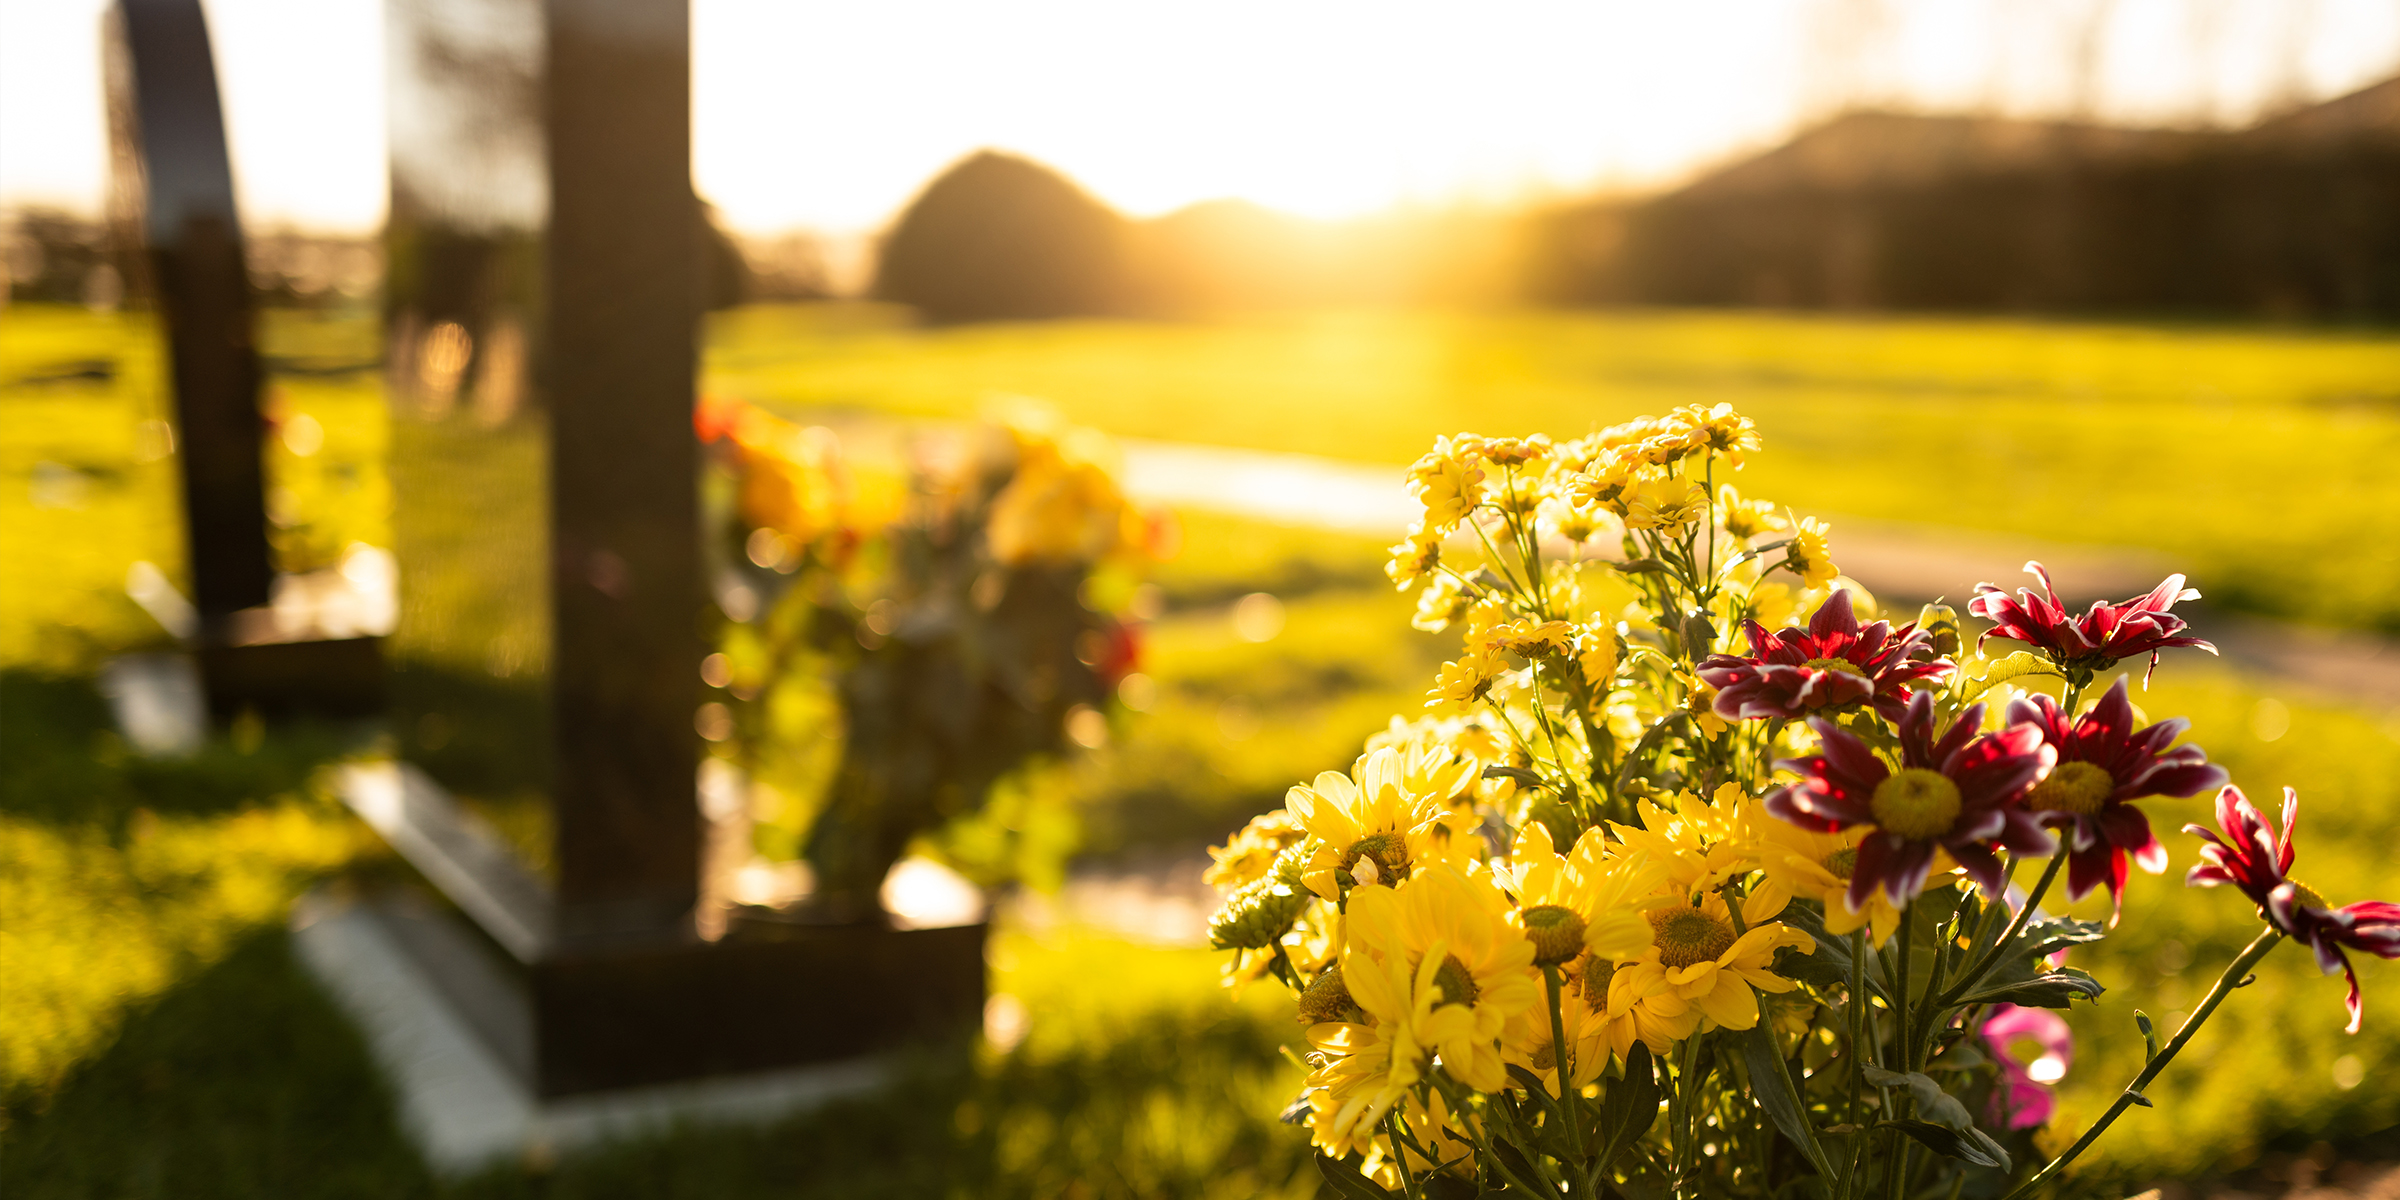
829, 114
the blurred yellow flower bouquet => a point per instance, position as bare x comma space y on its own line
1693, 878
951, 622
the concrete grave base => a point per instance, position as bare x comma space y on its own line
463, 1105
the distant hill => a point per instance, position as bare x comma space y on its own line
2298, 216
1001, 237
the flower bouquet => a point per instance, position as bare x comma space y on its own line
1695, 878
949, 625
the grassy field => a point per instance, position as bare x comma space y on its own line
156, 1037
2256, 459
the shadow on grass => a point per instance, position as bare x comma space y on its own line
66, 764
246, 1081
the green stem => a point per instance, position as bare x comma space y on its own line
1991, 958
1898, 1168
1568, 1098
1858, 1057
2234, 974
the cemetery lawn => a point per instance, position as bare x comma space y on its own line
156, 1036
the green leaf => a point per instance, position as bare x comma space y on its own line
1969, 1145
1627, 1111
1937, 1109
2058, 989
1643, 566
2141, 1021
1772, 1084
1980, 677
1347, 1182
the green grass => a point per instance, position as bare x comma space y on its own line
2253, 458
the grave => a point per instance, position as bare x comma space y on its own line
542, 323
172, 196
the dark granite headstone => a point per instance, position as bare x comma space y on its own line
174, 194
542, 323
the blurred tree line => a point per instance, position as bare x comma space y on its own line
2296, 218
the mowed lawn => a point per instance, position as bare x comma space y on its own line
155, 1037
2257, 459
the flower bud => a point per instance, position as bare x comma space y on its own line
1259, 913
1941, 622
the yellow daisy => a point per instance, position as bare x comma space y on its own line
1451, 929
1388, 816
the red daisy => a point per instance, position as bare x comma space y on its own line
1957, 792
1832, 663
2251, 857
2103, 762
2094, 641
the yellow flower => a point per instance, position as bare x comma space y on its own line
1441, 604
1818, 866
1602, 897
1061, 504
1718, 430
1447, 482
1596, 652
1461, 683
1745, 519
1696, 975
1774, 605
1451, 929
1668, 503
1383, 821
1363, 1073
1413, 557
792, 479
1528, 638
1515, 452
1700, 846
1246, 856
1605, 480
1807, 555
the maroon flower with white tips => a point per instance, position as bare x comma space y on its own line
2103, 762
1832, 663
2099, 638
1957, 792
2251, 857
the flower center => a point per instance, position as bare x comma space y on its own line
1843, 862
1843, 665
2308, 895
1597, 971
1916, 803
1686, 935
1454, 982
1557, 933
1387, 851
1327, 999
2073, 787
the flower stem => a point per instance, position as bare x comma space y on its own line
1991, 957
1567, 1094
1858, 1056
1898, 1168
2234, 974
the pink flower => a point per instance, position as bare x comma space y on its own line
2103, 762
2025, 1099
1834, 662
2253, 858
2094, 641
1957, 793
